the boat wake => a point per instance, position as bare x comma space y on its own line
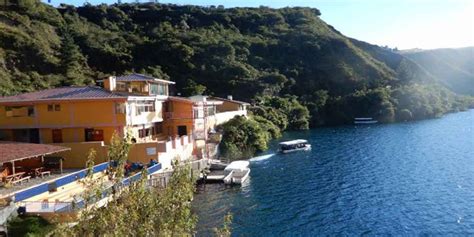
260, 158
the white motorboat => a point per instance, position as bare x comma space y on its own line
295, 145
236, 172
365, 121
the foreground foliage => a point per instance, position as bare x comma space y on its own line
29, 226
137, 209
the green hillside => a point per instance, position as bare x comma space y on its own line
452, 67
254, 54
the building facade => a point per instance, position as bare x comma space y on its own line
162, 127
87, 117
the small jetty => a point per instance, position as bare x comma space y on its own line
365, 121
236, 172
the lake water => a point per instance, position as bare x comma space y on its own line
399, 179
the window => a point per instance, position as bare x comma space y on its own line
57, 136
54, 107
211, 111
168, 106
159, 89
198, 113
94, 134
31, 111
147, 106
158, 128
123, 86
19, 111
120, 108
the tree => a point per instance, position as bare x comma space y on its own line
74, 64
243, 137
193, 88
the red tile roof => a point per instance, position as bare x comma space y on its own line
11, 151
64, 93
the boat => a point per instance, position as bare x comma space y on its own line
365, 121
237, 172
295, 145
217, 164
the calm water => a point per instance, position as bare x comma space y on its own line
400, 179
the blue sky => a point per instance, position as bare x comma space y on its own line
404, 24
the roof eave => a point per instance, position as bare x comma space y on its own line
58, 99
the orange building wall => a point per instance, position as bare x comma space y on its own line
72, 114
77, 157
182, 115
78, 134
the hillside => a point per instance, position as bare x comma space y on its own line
452, 67
251, 53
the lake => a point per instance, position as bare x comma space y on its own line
395, 179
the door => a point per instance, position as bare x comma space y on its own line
57, 136
94, 135
34, 135
182, 131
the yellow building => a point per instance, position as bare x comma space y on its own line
86, 117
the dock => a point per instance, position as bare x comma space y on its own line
216, 176
234, 173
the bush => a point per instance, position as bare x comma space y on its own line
243, 137
29, 226
285, 112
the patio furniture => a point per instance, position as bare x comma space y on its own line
45, 173
21, 180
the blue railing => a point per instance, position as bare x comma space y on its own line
137, 176
31, 192
36, 190
20, 196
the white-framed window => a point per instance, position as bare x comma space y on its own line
144, 107
120, 108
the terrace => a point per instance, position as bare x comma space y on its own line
24, 165
67, 198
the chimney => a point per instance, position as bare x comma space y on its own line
110, 83
229, 97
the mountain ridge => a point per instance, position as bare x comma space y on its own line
247, 52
